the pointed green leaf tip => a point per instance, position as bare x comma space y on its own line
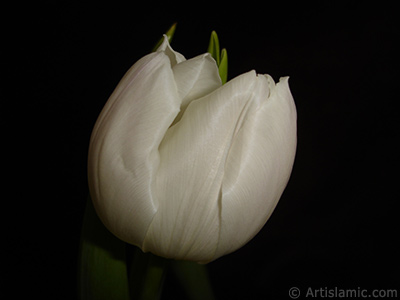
223, 66
170, 34
221, 57
213, 47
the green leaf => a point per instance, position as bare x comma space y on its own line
223, 66
102, 272
213, 47
170, 34
221, 57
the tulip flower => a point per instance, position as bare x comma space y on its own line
185, 167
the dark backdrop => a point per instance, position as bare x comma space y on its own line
335, 225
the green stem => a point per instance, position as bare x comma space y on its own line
147, 276
102, 272
194, 279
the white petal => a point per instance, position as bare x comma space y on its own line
193, 156
123, 154
196, 78
259, 165
175, 57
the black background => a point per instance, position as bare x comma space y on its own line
336, 224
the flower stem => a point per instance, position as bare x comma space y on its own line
102, 272
147, 276
194, 279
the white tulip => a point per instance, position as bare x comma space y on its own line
185, 167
